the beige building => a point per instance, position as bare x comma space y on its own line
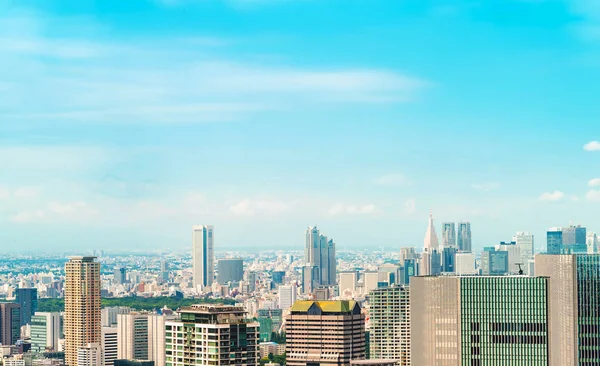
110, 342
375, 362
142, 337
325, 333
90, 355
82, 319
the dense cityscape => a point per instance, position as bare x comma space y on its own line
439, 304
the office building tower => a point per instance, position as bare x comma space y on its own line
448, 256
514, 256
90, 355
449, 235
464, 237
407, 271
493, 262
110, 345
203, 256
465, 263
156, 337
574, 307
389, 314
109, 314
120, 275
230, 270
252, 278
566, 240
591, 243
370, 280
310, 279
348, 283
477, 320
10, 323
431, 262
526, 246
408, 253
324, 333
554, 240
320, 252
287, 296
232, 339
278, 277
133, 336
45, 332
82, 319
27, 298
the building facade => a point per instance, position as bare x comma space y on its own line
110, 345
27, 298
90, 355
463, 235
389, 314
325, 333
449, 235
479, 320
320, 252
212, 335
230, 270
133, 336
287, 296
45, 332
10, 323
82, 317
203, 258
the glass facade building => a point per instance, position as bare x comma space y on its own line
389, 314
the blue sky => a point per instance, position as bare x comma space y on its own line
123, 123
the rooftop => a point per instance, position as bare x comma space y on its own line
325, 306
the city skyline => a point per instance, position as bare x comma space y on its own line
107, 120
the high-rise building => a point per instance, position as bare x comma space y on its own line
110, 345
493, 262
465, 263
212, 335
156, 337
120, 275
82, 317
278, 277
133, 336
203, 256
10, 323
310, 279
287, 296
109, 314
464, 237
252, 278
449, 235
389, 314
479, 320
325, 333
320, 252
574, 307
230, 270
554, 240
448, 256
566, 240
45, 332
27, 298
525, 243
164, 271
90, 355
514, 256
348, 282
431, 261
591, 243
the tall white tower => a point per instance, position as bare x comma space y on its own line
203, 258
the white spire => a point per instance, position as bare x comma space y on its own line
431, 239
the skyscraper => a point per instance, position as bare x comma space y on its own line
110, 345
45, 332
10, 323
566, 240
348, 282
287, 296
324, 333
554, 240
320, 252
501, 320
156, 337
230, 270
120, 275
232, 339
389, 315
431, 262
28, 299
525, 244
592, 243
133, 336
574, 307
493, 262
449, 235
82, 318
464, 237
203, 256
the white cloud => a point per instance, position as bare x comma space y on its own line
592, 146
593, 195
575, 198
4, 193
391, 179
594, 182
56, 211
486, 187
552, 196
26, 192
410, 206
342, 209
248, 207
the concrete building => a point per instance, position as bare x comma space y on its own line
493, 262
109, 315
389, 314
325, 333
156, 337
479, 320
27, 298
287, 296
82, 319
120, 275
463, 235
10, 323
526, 246
230, 270
45, 332
212, 335
133, 336
449, 235
574, 307
110, 345
566, 240
348, 283
375, 362
320, 252
310, 279
514, 256
370, 280
592, 243
90, 355
203, 258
